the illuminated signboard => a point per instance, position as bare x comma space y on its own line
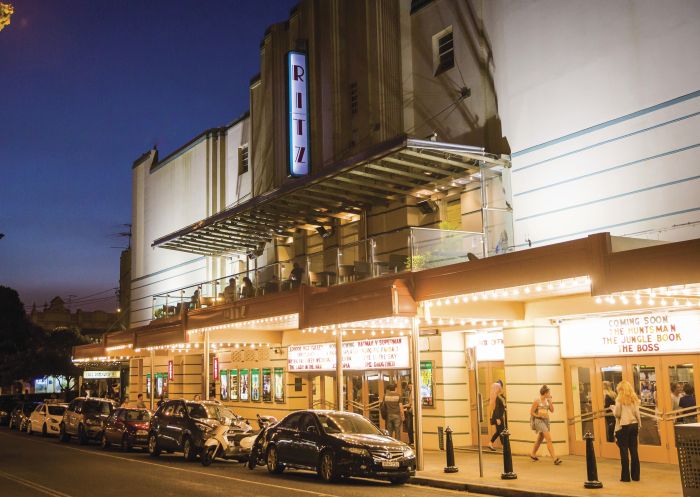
650, 333
100, 375
297, 81
489, 345
359, 355
170, 370
216, 368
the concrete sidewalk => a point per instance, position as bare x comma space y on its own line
543, 478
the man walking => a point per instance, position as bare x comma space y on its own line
393, 410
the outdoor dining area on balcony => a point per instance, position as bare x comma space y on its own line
408, 249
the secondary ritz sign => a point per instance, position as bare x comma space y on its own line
649, 333
298, 84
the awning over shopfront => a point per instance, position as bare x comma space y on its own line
366, 300
391, 171
168, 333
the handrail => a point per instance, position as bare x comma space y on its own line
646, 412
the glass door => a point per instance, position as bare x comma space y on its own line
611, 371
681, 376
583, 404
375, 393
646, 373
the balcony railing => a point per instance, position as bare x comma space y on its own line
407, 249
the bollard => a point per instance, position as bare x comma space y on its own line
591, 467
450, 450
508, 473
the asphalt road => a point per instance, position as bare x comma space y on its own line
35, 466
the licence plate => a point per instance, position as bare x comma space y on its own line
141, 433
390, 464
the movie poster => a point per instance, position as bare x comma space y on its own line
266, 385
279, 384
245, 385
255, 385
223, 379
233, 384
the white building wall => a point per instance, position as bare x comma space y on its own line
600, 104
170, 196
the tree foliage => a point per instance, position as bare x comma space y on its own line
26, 350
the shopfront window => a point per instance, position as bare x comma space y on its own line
644, 379
582, 400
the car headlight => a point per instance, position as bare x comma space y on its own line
358, 451
3, 413
408, 452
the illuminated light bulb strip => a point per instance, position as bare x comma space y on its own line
100, 359
580, 283
287, 318
119, 347
675, 296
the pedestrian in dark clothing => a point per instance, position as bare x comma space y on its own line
609, 404
498, 412
688, 400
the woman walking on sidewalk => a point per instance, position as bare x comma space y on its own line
627, 426
497, 404
539, 422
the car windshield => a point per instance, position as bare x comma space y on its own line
210, 411
347, 423
56, 410
95, 407
138, 415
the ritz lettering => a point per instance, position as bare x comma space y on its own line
298, 115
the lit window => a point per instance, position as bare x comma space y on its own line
242, 159
443, 51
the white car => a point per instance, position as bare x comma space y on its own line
46, 419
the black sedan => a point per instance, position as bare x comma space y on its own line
337, 444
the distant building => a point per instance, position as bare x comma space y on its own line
57, 316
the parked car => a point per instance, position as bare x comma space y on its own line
85, 418
337, 444
20, 415
46, 418
184, 426
127, 427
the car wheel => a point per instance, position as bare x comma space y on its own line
82, 436
104, 443
326, 468
126, 444
273, 463
188, 450
399, 480
62, 435
44, 430
29, 429
153, 448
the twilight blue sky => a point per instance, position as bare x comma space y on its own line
86, 86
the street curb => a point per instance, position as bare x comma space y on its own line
481, 489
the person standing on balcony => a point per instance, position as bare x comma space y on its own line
194, 301
295, 275
230, 291
247, 289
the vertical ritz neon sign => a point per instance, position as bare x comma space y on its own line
298, 84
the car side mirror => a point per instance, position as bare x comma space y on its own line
311, 429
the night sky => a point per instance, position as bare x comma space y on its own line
85, 88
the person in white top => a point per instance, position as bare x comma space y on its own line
627, 423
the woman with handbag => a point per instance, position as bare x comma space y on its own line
628, 421
539, 422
